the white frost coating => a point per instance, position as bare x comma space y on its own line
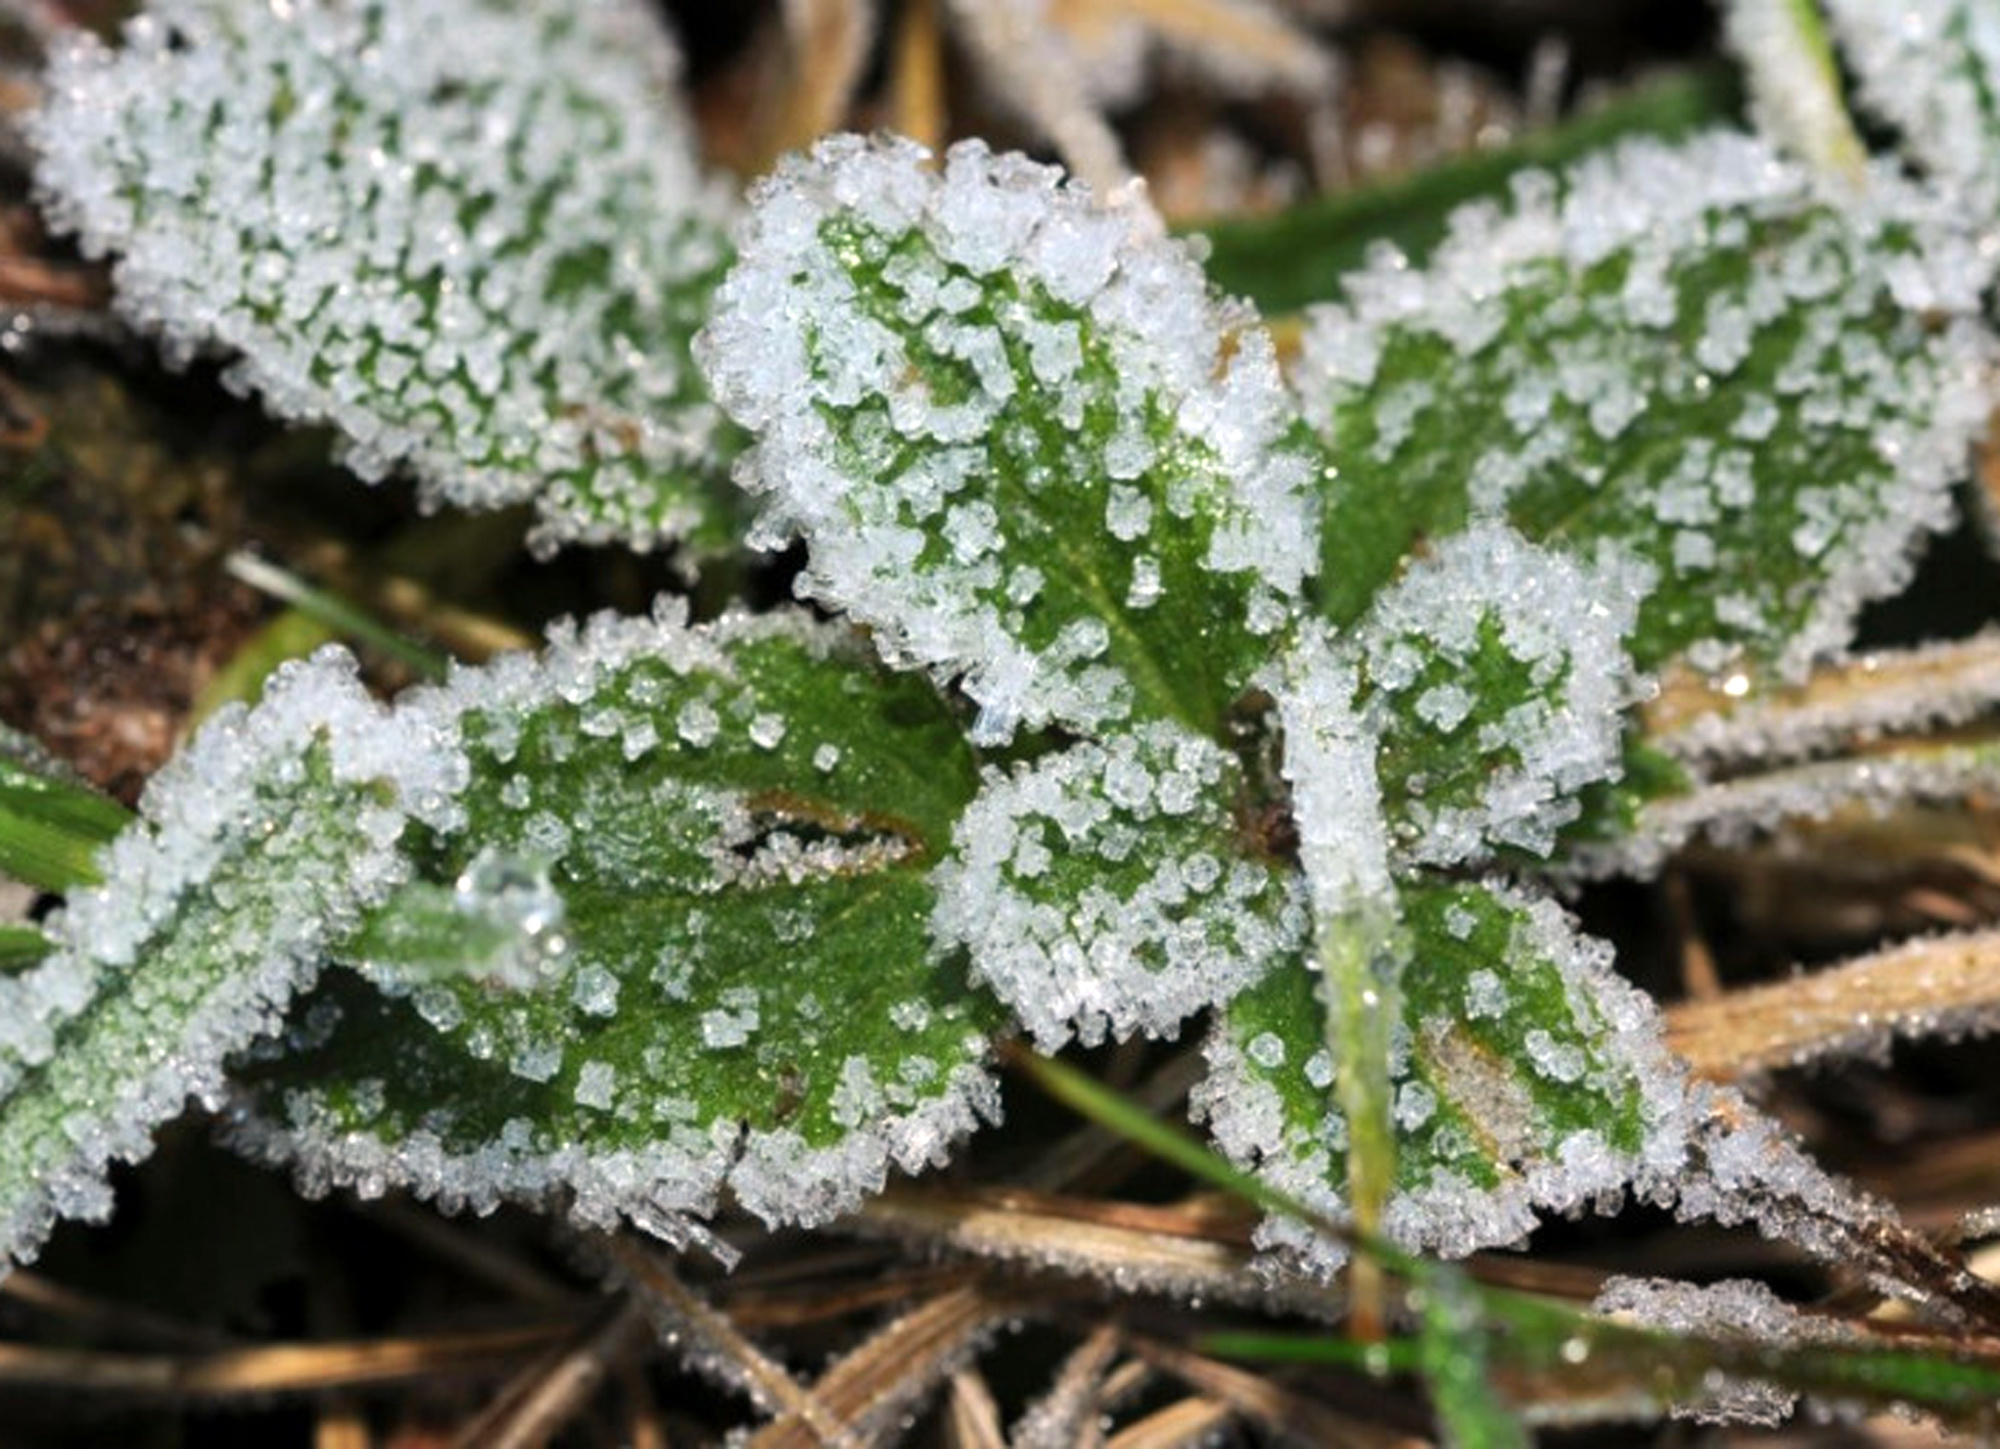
1933, 686
1932, 69
1110, 953
1564, 625
664, 1189
472, 236
815, 355
1330, 751
1733, 813
215, 909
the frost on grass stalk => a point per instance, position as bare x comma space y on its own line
471, 236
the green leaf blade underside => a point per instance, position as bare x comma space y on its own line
1022, 440
704, 884
1680, 356
474, 237
1114, 888
1529, 1077
259, 845
51, 827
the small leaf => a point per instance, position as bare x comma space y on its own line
1526, 1076
259, 845
1685, 355
472, 236
1109, 888
699, 863
1495, 675
1020, 437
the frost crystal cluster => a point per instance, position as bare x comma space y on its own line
1186, 686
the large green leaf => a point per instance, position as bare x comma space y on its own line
1021, 438
1684, 356
694, 865
1116, 887
1525, 1075
258, 847
473, 236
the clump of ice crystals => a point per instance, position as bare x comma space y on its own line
472, 236
1736, 1310
958, 379
1099, 890
1932, 69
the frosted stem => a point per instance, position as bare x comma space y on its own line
1795, 83
1360, 960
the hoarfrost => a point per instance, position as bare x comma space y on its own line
473, 237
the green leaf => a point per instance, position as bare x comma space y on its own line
1021, 438
1526, 1076
1115, 888
51, 825
260, 844
1683, 358
694, 866
21, 946
472, 236
1495, 677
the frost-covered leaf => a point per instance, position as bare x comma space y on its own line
1932, 69
1021, 438
1526, 1076
702, 857
1685, 355
1116, 887
257, 847
1494, 674
473, 236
